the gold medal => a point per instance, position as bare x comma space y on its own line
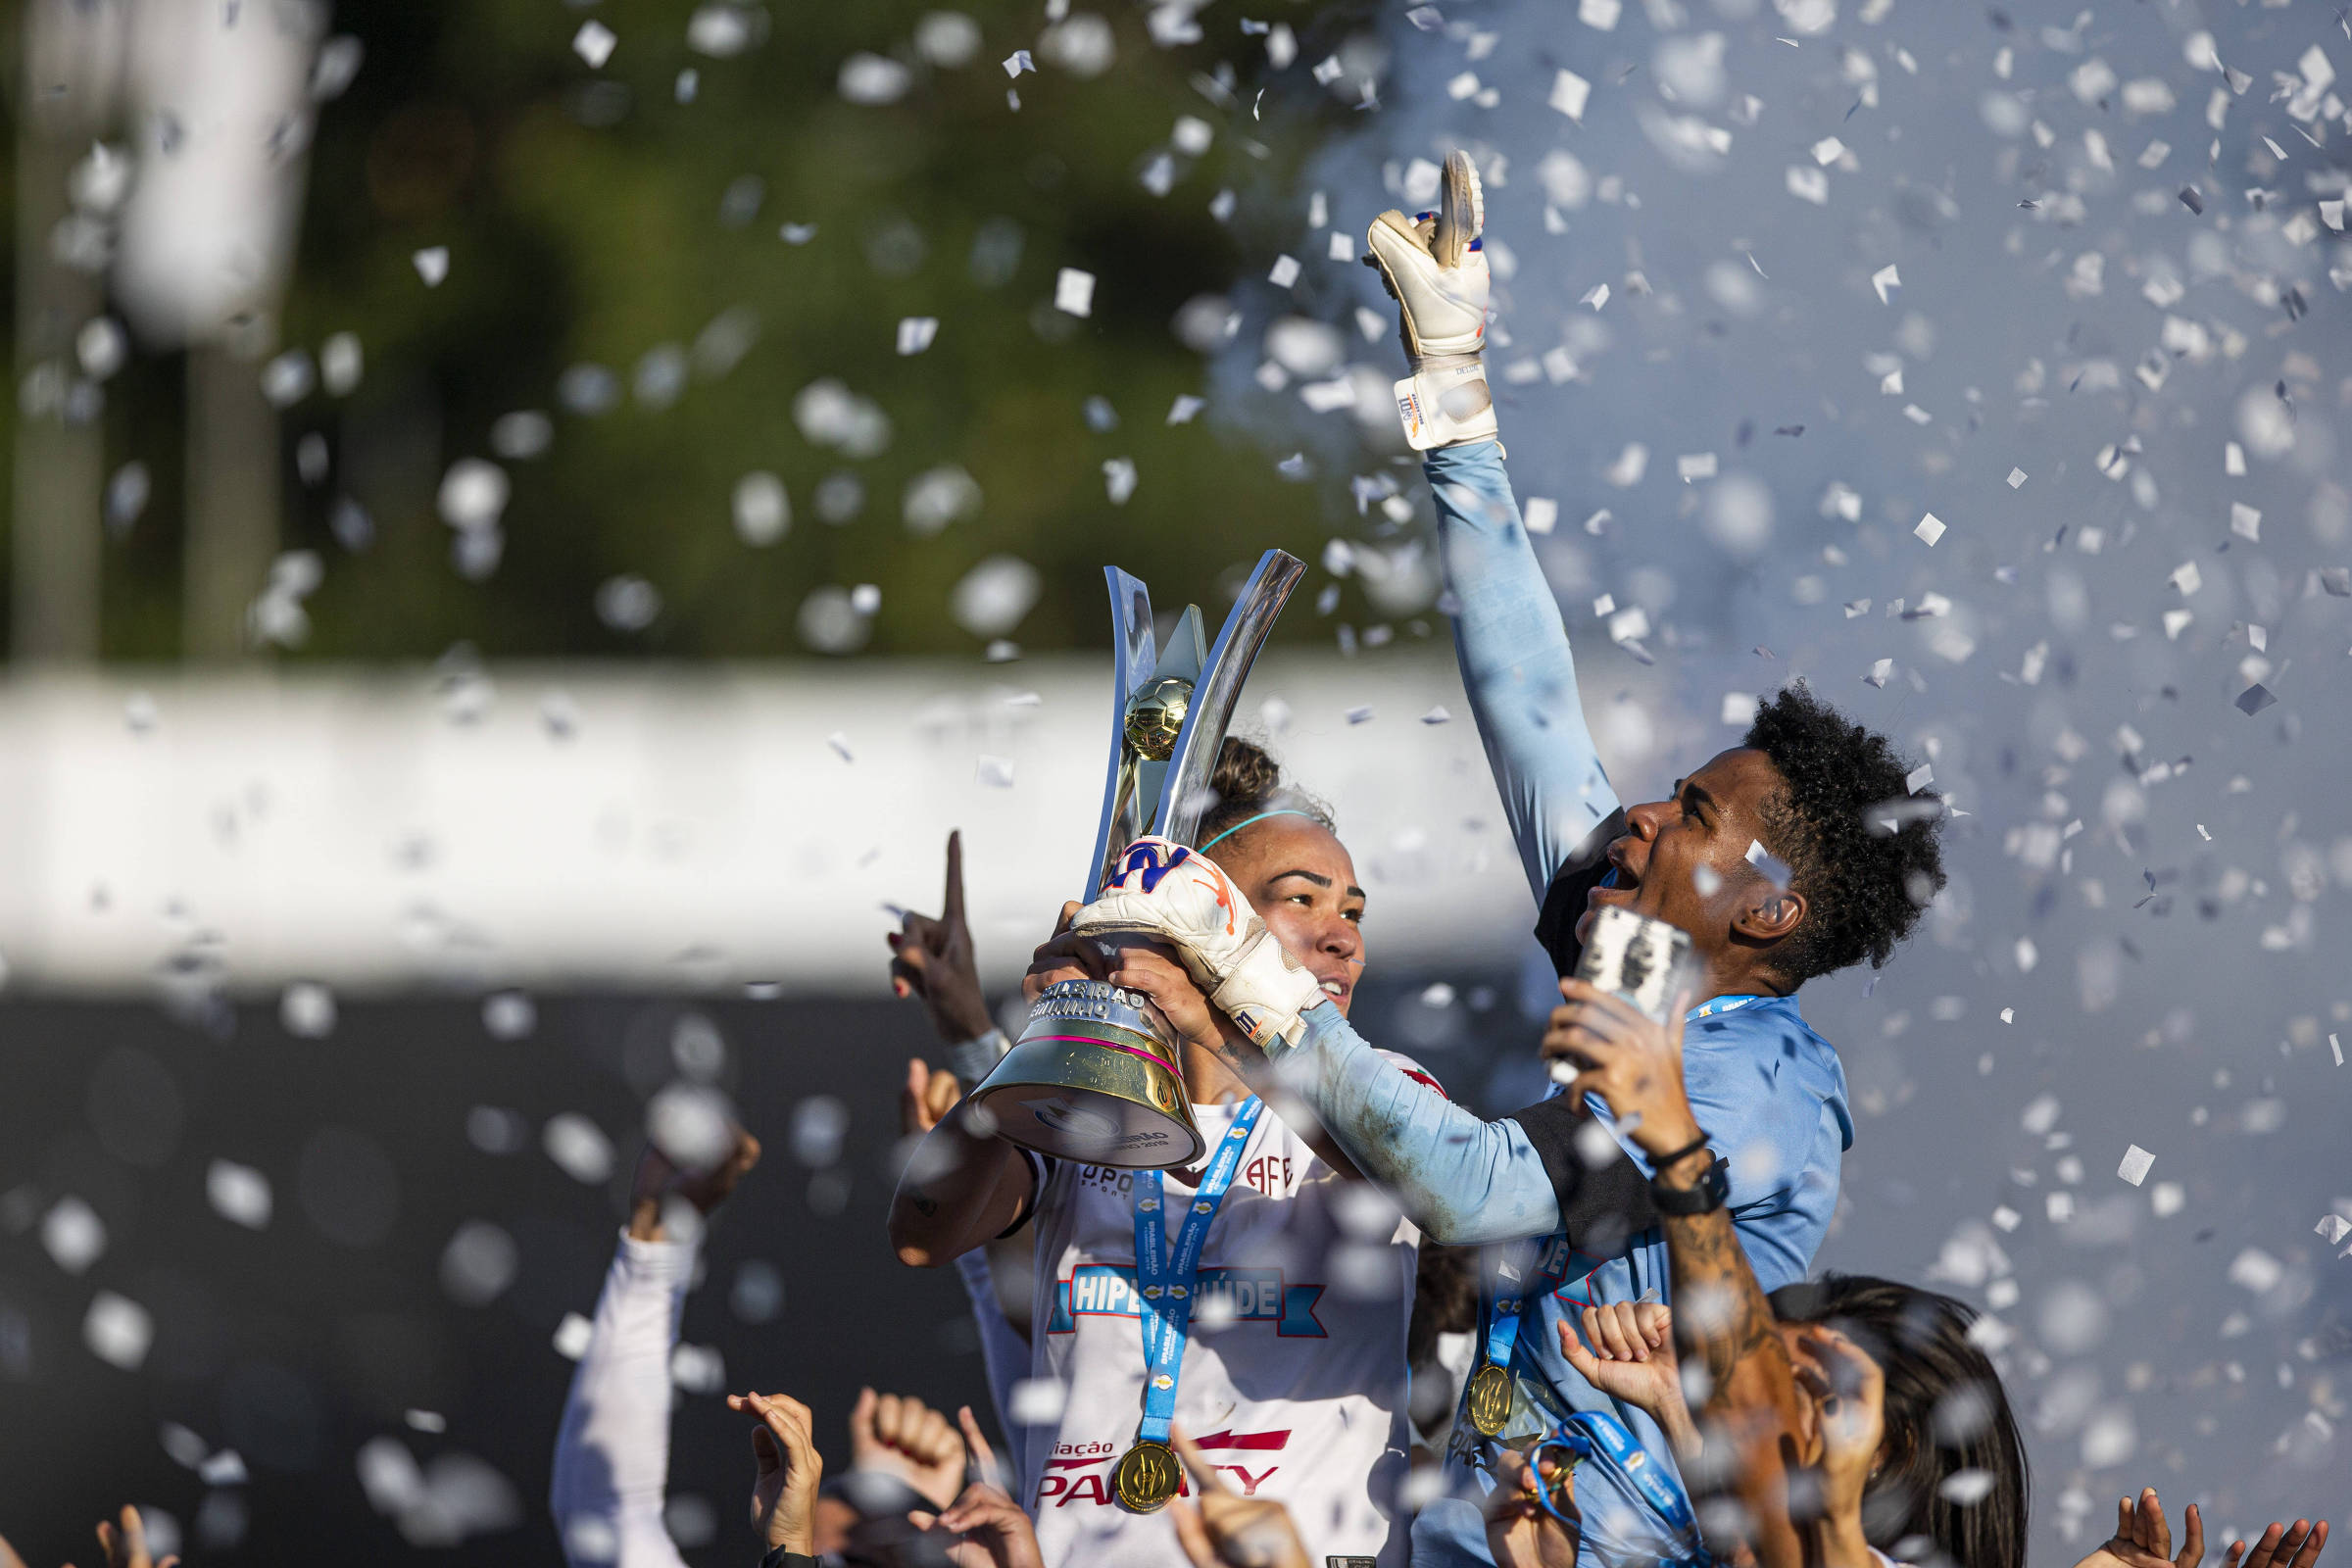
1147, 1476
1490, 1401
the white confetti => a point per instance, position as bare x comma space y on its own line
2256, 1270
578, 1146
2017, 478
573, 1336
117, 1330
1118, 479
1037, 1402
2135, 1168
1930, 529
238, 1194
1074, 292
432, 265
72, 1235
1541, 514
594, 43
307, 1010
1569, 94
1885, 280
916, 334
1776, 870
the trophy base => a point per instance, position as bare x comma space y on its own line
1094, 1079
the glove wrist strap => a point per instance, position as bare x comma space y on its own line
1445, 402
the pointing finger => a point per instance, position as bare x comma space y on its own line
951, 911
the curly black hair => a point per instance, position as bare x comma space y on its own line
1861, 850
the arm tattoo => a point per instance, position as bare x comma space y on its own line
1709, 1267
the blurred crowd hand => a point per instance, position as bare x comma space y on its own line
124, 1544
1227, 1530
2144, 1540
932, 960
2295, 1546
901, 1436
1631, 1357
990, 1528
1848, 1395
1521, 1532
787, 1471
930, 1093
658, 1181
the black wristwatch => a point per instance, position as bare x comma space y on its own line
1714, 1190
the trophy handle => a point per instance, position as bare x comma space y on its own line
1132, 654
1184, 788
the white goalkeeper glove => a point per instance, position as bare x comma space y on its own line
1161, 889
1434, 269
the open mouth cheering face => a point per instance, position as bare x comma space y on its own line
1683, 859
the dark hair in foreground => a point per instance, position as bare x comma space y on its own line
1860, 848
1945, 1414
1247, 782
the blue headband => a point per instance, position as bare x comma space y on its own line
1246, 820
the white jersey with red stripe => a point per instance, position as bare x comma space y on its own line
1294, 1378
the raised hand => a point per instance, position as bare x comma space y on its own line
2143, 1538
1520, 1532
1226, 1529
1848, 1392
787, 1470
900, 1435
2295, 1546
657, 1180
932, 959
1631, 1061
1433, 268
929, 1094
124, 1544
990, 1528
979, 1459
1631, 1357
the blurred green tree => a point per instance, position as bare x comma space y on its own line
660, 255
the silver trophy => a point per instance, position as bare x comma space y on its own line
1096, 1076
1645, 962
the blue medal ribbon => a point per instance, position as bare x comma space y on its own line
1504, 1307
1601, 1438
1167, 1280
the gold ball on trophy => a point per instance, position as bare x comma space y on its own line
1155, 716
